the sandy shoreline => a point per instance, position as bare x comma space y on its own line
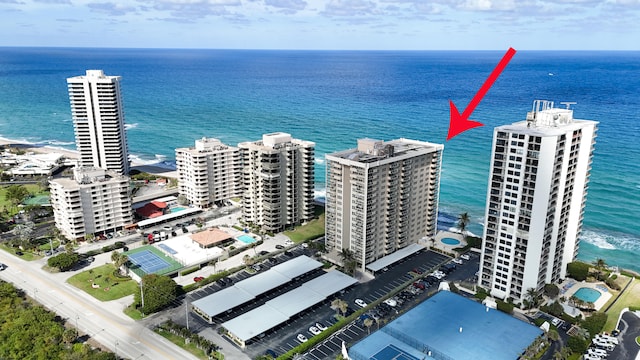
72, 154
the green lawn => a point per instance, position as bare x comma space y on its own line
32, 188
311, 230
631, 297
28, 256
110, 288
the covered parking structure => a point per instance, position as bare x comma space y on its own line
168, 217
394, 257
284, 307
249, 289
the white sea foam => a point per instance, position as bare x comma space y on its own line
320, 193
319, 161
600, 240
158, 160
130, 126
55, 143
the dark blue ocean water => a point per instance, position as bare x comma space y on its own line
173, 97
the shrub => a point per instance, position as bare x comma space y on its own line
505, 306
554, 309
190, 270
577, 344
578, 270
594, 323
612, 284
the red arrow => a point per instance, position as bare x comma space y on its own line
461, 123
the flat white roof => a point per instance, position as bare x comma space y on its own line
250, 288
280, 309
394, 257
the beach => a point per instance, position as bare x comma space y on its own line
72, 154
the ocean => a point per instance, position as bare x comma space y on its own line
173, 97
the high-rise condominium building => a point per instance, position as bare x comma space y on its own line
278, 181
535, 200
381, 197
94, 201
98, 119
209, 172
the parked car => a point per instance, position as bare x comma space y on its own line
458, 261
314, 330
167, 228
2, 266
273, 260
279, 247
417, 271
221, 282
19, 253
198, 278
256, 267
271, 353
301, 338
263, 253
321, 326
391, 302
465, 257
360, 302
288, 253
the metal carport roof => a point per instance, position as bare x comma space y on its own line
394, 257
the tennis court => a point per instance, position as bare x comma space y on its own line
168, 249
149, 260
37, 200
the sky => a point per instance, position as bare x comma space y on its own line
324, 24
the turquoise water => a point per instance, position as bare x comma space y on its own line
246, 239
172, 97
587, 294
450, 241
177, 209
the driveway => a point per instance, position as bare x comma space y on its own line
629, 327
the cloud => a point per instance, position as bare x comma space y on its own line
111, 8
345, 8
189, 10
62, 2
287, 6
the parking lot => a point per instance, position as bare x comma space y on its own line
285, 337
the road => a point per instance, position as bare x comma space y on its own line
104, 322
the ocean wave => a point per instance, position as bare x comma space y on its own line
611, 241
55, 143
158, 160
320, 194
319, 161
130, 126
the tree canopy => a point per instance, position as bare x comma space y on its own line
578, 270
16, 194
159, 291
28, 331
63, 261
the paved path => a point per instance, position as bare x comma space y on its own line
103, 321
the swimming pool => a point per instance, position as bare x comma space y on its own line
177, 208
246, 239
449, 241
587, 294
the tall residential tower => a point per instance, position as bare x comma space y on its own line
535, 200
278, 181
98, 119
381, 197
209, 172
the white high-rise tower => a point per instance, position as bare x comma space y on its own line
381, 197
98, 119
535, 200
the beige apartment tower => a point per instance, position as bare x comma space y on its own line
536, 197
209, 172
381, 197
98, 120
278, 181
95, 201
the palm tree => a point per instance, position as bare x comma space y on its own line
600, 265
368, 322
533, 298
463, 222
348, 261
339, 305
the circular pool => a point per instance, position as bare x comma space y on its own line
450, 241
587, 294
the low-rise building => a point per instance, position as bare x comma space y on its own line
93, 202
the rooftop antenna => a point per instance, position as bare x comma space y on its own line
568, 104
